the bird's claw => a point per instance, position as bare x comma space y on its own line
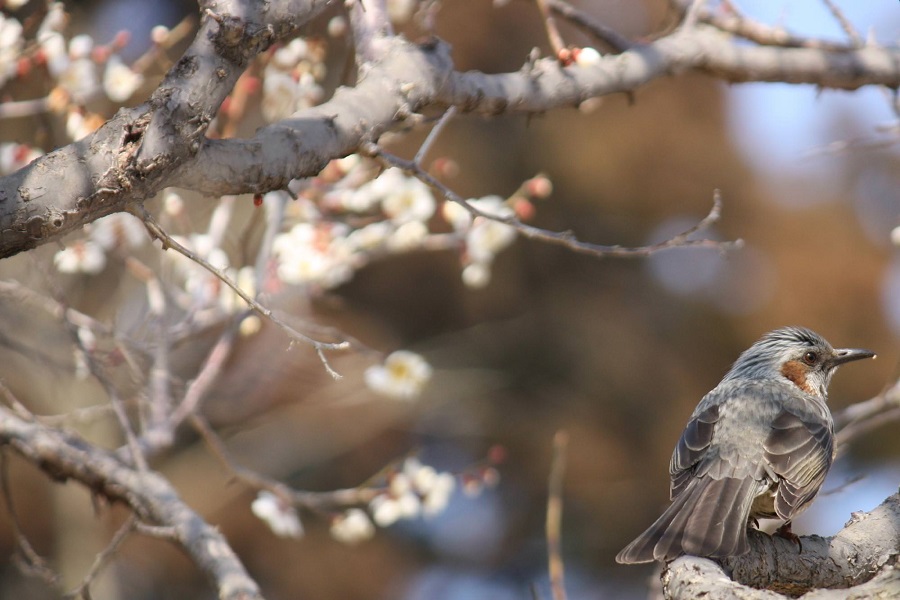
785, 532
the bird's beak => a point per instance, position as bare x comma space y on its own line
844, 355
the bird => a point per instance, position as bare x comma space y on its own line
757, 446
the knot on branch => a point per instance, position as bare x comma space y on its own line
238, 40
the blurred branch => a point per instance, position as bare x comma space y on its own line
320, 501
590, 25
556, 41
555, 566
26, 556
565, 238
150, 496
168, 241
861, 418
83, 589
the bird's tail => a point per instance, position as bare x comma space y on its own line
709, 518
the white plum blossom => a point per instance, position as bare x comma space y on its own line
288, 56
118, 230
279, 95
281, 518
80, 79
11, 43
415, 490
399, 484
420, 476
404, 198
587, 57
385, 510
438, 494
895, 236
119, 80
486, 238
82, 256
173, 203
434, 488
290, 81
352, 527
476, 275
370, 237
159, 34
54, 21
300, 257
457, 216
308, 92
15, 156
337, 26
402, 376
80, 46
53, 46
408, 236
76, 124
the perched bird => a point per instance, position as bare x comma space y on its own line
757, 446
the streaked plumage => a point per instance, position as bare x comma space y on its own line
757, 446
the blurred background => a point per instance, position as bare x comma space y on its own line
615, 352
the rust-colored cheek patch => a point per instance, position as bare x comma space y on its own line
796, 372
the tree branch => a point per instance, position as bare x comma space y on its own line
844, 564
152, 498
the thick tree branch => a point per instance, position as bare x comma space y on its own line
131, 157
411, 78
843, 564
147, 493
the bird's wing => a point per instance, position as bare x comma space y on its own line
691, 448
799, 450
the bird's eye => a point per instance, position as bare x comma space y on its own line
811, 358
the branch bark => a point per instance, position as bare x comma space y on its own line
843, 564
161, 143
152, 498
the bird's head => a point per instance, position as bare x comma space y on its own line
796, 354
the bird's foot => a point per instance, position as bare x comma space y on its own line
785, 532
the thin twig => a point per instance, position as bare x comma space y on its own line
176, 35
160, 373
209, 374
97, 371
24, 108
137, 455
590, 25
14, 402
433, 134
693, 14
556, 40
555, 564
83, 589
738, 24
29, 559
565, 238
862, 417
169, 242
844, 22
319, 501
